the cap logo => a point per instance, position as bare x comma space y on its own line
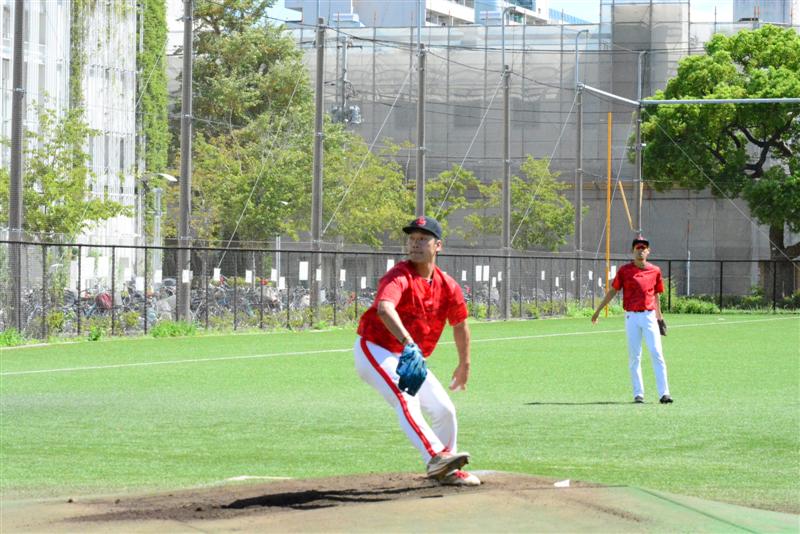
420, 221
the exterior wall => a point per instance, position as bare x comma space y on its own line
46, 62
109, 86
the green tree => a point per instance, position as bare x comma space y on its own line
152, 92
244, 66
736, 151
253, 149
56, 196
448, 192
541, 216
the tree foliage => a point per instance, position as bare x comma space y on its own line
743, 151
56, 195
541, 216
253, 148
152, 94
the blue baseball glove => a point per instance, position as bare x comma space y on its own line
411, 369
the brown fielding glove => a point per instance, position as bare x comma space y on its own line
662, 327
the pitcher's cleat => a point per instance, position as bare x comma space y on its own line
445, 462
460, 478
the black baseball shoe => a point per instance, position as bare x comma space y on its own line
666, 399
638, 399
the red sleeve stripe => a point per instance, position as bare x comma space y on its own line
399, 395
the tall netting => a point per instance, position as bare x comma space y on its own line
374, 70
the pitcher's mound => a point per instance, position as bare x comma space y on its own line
398, 502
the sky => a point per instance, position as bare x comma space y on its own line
702, 10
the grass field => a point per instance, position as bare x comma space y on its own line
547, 397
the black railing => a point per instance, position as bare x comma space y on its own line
74, 289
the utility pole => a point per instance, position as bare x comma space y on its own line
639, 183
506, 232
15, 208
316, 184
578, 173
421, 131
184, 237
506, 284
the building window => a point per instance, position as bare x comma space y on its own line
42, 88
122, 154
6, 22
43, 26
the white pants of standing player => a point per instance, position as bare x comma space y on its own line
378, 367
638, 325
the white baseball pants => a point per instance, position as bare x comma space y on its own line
638, 325
378, 367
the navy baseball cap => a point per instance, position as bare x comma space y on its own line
640, 239
425, 224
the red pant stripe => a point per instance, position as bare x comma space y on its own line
398, 394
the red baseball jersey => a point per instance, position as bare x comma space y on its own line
423, 307
639, 286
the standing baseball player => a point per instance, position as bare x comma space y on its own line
641, 284
399, 331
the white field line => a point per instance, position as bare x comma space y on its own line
722, 322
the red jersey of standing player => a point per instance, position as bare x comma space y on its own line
640, 286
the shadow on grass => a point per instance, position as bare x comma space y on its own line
574, 403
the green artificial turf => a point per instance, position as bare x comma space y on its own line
546, 397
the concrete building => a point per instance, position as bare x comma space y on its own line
772, 11
383, 14
46, 59
108, 85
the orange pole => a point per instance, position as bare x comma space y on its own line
608, 209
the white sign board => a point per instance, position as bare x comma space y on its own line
389, 264
342, 275
303, 274
217, 274
273, 275
248, 276
463, 276
363, 282
186, 276
478, 273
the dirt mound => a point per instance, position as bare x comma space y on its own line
398, 502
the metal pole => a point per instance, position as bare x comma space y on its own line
639, 183
421, 131
505, 287
316, 185
15, 208
578, 171
184, 253
157, 229
506, 294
